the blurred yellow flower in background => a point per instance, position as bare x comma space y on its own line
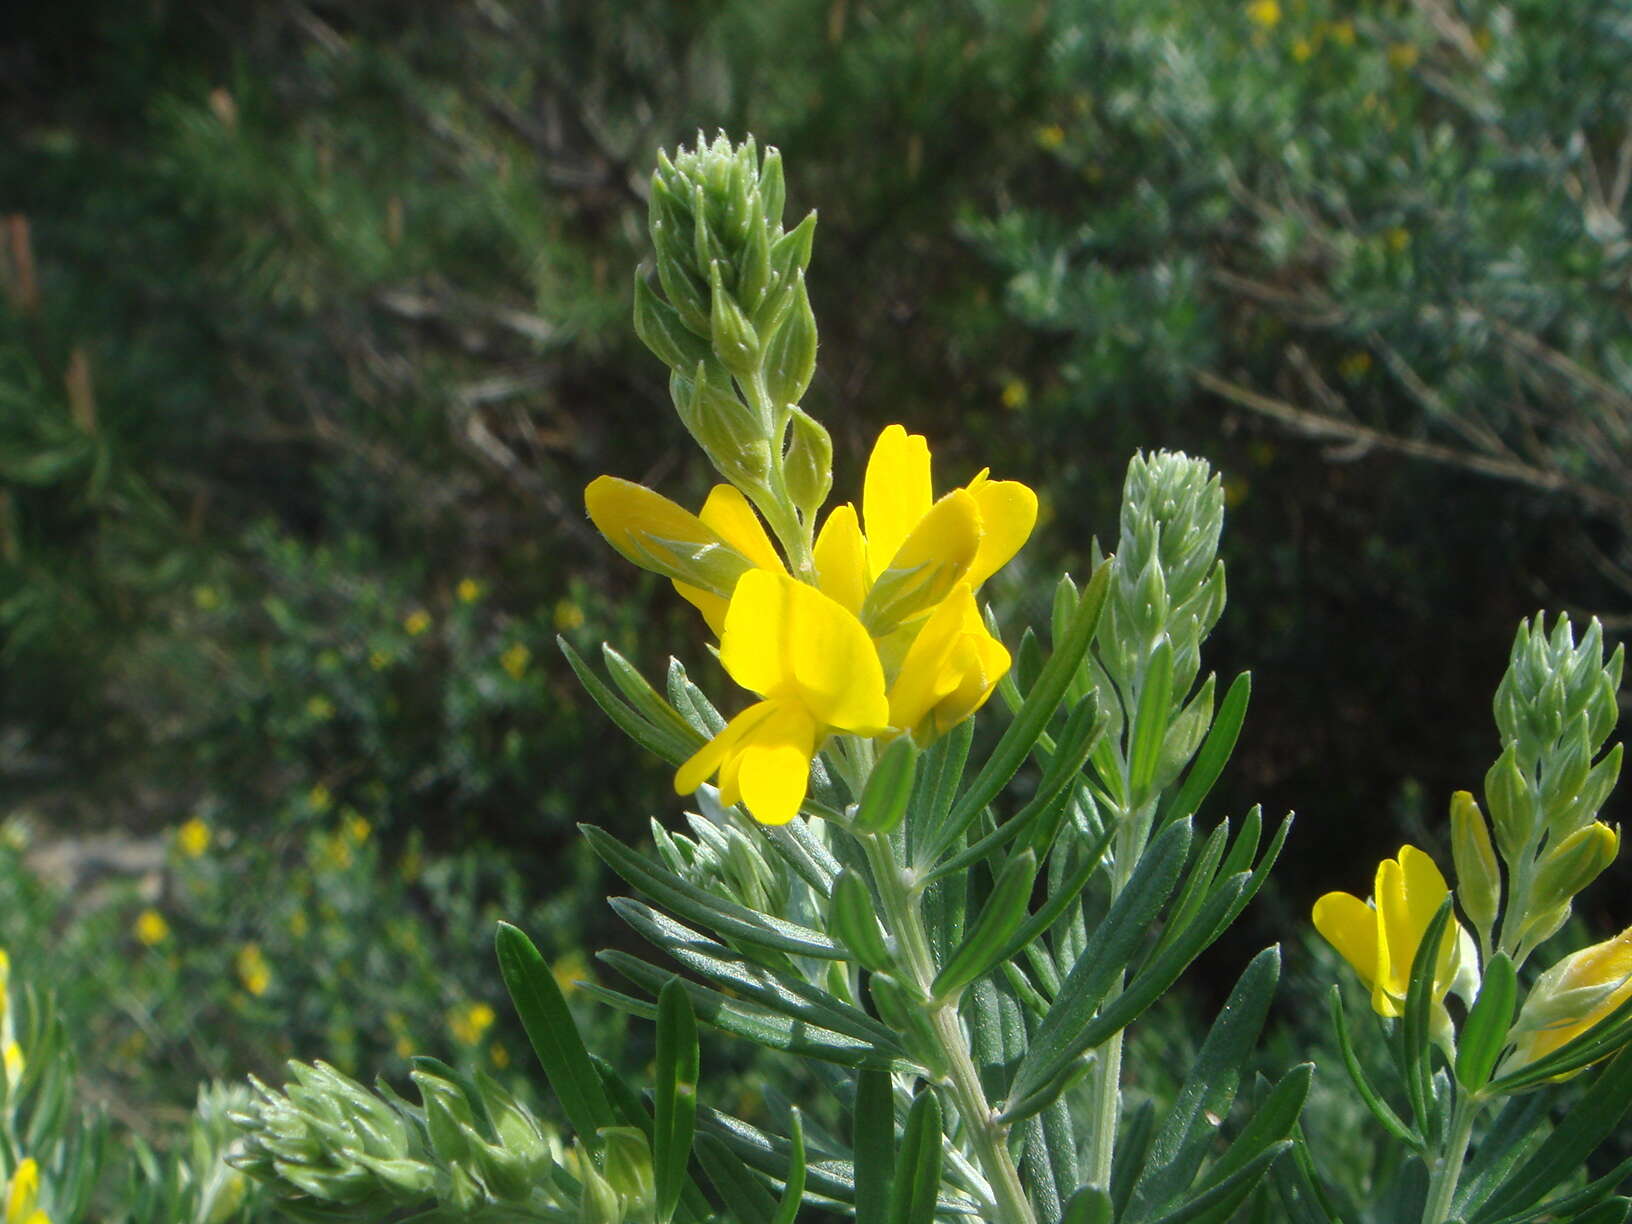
193, 837
417, 622
1264, 13
23, 1195
468, 590
151, 928
469, 1022
253, 971
514, 660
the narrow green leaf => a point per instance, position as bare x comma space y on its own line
554, 1036
1414, 1028
1209, 1090
793, 1188
1575, 1136
659, 741
1513, 1135
1004, 911
1484, 1034
1034, 716
1386, 1117
1271, 1122
853, 920
647, 701
1150, 722
1585, 1200
1053, 1090
940, 773
726, 918
1215, 751
1068, 894
675, 1095
889, 788
873, 1119
918, 1165
743, 1193
1058, 1038
1218, 1203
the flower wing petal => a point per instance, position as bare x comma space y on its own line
1350, 926
1008, 512
841, 558
729, 513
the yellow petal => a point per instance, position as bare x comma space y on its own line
1410, 890
789, 642
1350, 926
841, 558
654, 533
728, 512
774, 769
896, 492
932, 560
23, 1193
1599, 965
949, 671
1008, 512
703, 763
712, 606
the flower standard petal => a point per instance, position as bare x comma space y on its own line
896, 492
932, 560
1008, 512
841, 558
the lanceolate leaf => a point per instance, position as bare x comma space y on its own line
1002, 915
917, 1181
1485, 1033
743, 1193
852, 918
665, 742
1150, 722
793, 1188
553, 1034
889, 788
1215, 751
1380, 1110
874, 1146
675, 1095
1415, 1026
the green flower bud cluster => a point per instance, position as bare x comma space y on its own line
341, 1152
724, 860
730, 317
1555, 709
1166, 580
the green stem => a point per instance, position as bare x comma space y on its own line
1447, 1167
1105, 1083
986, 1136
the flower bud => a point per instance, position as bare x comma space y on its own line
1572, 996
808, 465
628, 1169
1507, 795
1478, 878
600, 1203
1575, 863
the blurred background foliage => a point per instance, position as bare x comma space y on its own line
317, 320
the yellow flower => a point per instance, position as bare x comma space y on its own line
417, 622
814, 665
1398, 238
470, 1023
949, 671
193, 837
1050, 136
499, 1054
253, 970
319, 799
469, 590
299, 924
151, 928
358, 828
568, 616
1602, 974
1343, 33
1264, 13
1379, 938
15, 1063
379, 660
1355, 365
907, 551
569, 970
1302, 50
404, 1046
1403, 56
23, 1195
515, 659
320, 707
1015, 394
206, 599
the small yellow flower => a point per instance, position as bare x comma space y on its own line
1236, 490
417, 622
299, 924
1397, 237
15, 1063
568, 970
23, 1195
1343, 33
253, 970
334, 851
1266, 14
568, 616
1014, 394
357, 827
1302, 50
814, 665
499, 1054
469, 1023
320, 707
404, 1046
319, 799
1403, 56
151, 928
193, 837
1379, 938
1049, 136
469, 590
1354, 366
206, 598
1605, 966
379, 660
413, 862
514, 660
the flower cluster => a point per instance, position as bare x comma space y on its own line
877, 634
